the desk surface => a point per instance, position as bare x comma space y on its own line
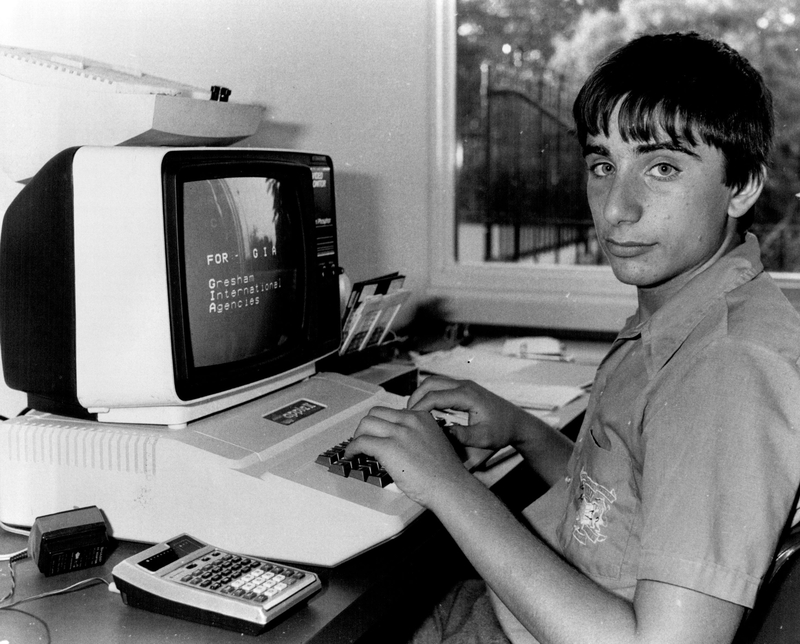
389, 587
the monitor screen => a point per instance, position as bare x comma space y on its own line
245, 267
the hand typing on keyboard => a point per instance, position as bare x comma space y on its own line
412, 447
418, 455
369, 470
492, 421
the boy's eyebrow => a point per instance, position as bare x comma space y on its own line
643, 148
594, 148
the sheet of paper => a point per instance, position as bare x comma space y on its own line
543, 385
462, 362
533, 396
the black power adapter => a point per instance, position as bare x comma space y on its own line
70, 540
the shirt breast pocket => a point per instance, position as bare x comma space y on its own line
598, 533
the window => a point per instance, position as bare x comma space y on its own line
512, 237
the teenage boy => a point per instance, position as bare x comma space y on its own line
663, 517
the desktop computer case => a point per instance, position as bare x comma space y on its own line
235, 479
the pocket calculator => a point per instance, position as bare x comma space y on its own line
186, 578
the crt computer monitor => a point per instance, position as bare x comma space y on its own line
159, 285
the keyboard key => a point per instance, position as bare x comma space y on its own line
341, 467
381, 479
328, 458
360, 467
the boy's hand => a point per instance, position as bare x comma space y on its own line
413, 449
493, 421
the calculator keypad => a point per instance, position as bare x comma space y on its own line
238, 576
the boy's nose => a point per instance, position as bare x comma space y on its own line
623, 203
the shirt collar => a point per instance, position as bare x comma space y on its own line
669, 327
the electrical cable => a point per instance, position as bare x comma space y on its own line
47, 637
76, 586
13, 530
14, 556
12, 559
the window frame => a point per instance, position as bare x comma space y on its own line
570, 298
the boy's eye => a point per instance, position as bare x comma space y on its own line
601, 169
663, 170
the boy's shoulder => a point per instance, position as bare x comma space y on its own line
758, 312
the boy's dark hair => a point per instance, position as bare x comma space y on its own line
687, 86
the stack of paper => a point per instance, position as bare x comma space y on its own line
535, 348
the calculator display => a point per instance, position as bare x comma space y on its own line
184, 545
178, 547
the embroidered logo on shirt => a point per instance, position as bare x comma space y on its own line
595, 501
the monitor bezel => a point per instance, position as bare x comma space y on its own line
178, 167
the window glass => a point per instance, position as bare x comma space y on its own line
519, 185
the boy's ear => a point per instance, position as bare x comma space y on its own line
742, 199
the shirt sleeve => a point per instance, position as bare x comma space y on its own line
720, 470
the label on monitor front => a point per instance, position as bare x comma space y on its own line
294, 412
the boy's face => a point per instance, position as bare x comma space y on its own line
660, 211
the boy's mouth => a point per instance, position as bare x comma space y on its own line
620, 248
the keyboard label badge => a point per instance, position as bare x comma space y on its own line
298, 410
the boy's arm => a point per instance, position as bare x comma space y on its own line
554, 601
557, 603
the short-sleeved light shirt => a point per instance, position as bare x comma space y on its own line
686, 467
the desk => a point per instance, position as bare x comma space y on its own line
378, 596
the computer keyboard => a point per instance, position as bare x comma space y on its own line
359, 467
364, 468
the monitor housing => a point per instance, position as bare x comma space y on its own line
157, 285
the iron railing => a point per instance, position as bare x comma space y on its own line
522, 177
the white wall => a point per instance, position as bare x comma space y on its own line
343, 77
